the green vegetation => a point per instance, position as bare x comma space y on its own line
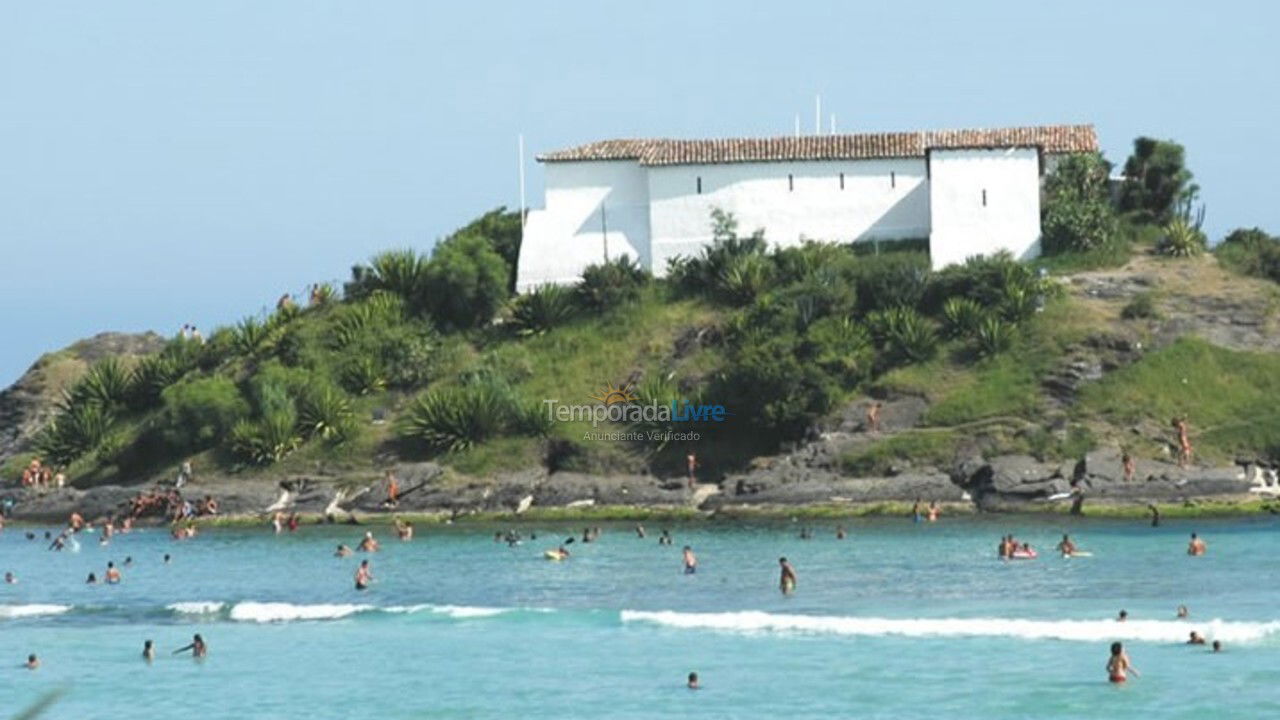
1077, 214
1251, 252
1228, 396
1156, 181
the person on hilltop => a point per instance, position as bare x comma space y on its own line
873, 416
393, 489
1128, 466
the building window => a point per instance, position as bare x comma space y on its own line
791, 182
984, 197
699, 185
893, 179
841, 181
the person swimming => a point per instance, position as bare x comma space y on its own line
197, 647
32, 662
1183, 613
690, 561
1119, 665
1195, 639
112, 575
10, 578
148, 651
692, 682
1217, 646
787, 576
1066, 547
368, 544
1124, 615
404, 530
1196, 547
933, 511
363, 576
342, 551
91, 580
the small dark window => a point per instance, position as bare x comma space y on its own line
791, 182
893, 179
699, 185
841, 181
984, 197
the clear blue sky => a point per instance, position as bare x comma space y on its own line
169, 162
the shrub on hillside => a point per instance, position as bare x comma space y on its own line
453, 419
197, 413
891, 280
993, 336
1252, 252
842, 348
75, 431
108, 383
1182, 239
610, 284
1077, 215
743, 279
905, 335
324, 412
468, 282
1156, 180
542, 309
1141, 306
400, 272
961, 316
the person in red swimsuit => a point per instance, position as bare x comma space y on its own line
1119, 665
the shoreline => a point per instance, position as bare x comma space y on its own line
747, 513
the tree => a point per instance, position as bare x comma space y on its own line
1156, 180
468, 282
1077, 214
501, 228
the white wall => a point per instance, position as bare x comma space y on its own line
962, 225
870, 206
587, 204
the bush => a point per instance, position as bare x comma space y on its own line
841, 347
771, 383
1141, 306
249, 336
743, 279
501, 229
196, 414
324, 412
891, 280
701, 275
1181, 239
267, 440
75, 432
468, 282
1077, 215
960, 317
905, 335
608, 285
542, 309
403, 273
993, 336
454, 419
107, 383
151, 376
363, 375
1252, 252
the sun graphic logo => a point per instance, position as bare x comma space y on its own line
612, 394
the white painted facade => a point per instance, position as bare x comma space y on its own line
966, 201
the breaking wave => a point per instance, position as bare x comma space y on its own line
34, 610
1071, 630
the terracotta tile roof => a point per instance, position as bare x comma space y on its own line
1049, 138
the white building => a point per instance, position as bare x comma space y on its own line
970, 192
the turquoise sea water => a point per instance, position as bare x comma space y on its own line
900, 620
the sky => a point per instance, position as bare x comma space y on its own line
164, 163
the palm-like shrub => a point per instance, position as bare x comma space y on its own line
74, 432
453, 419
107, 383
542, 309
607, 285
363, 375
250, 335
152, 375
401, 272
744, 278
841, 347
379, 309
322, 294
267, 440
993, 336
906, 335
960, 316
1181, 239
325, 413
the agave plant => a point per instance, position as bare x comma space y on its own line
107, 383
250, 334
905, 333
152, 375
744, 278
1181, 239
380, 308
456, 418
75, 431
542, 309
325, 413
400, 272
363, 375
268, 440
960, 316
993, 336
607, 285
841, 346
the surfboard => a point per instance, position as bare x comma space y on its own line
552, 555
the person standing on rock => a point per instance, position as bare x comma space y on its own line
873, 416
393, 489
1184, 441
692, 463
1126, 462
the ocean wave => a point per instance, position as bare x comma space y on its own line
34, 610
1071, 630
264, 612
197, 607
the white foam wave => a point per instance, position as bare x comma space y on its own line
36, 610
197, 607
1075, 630
264, 612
